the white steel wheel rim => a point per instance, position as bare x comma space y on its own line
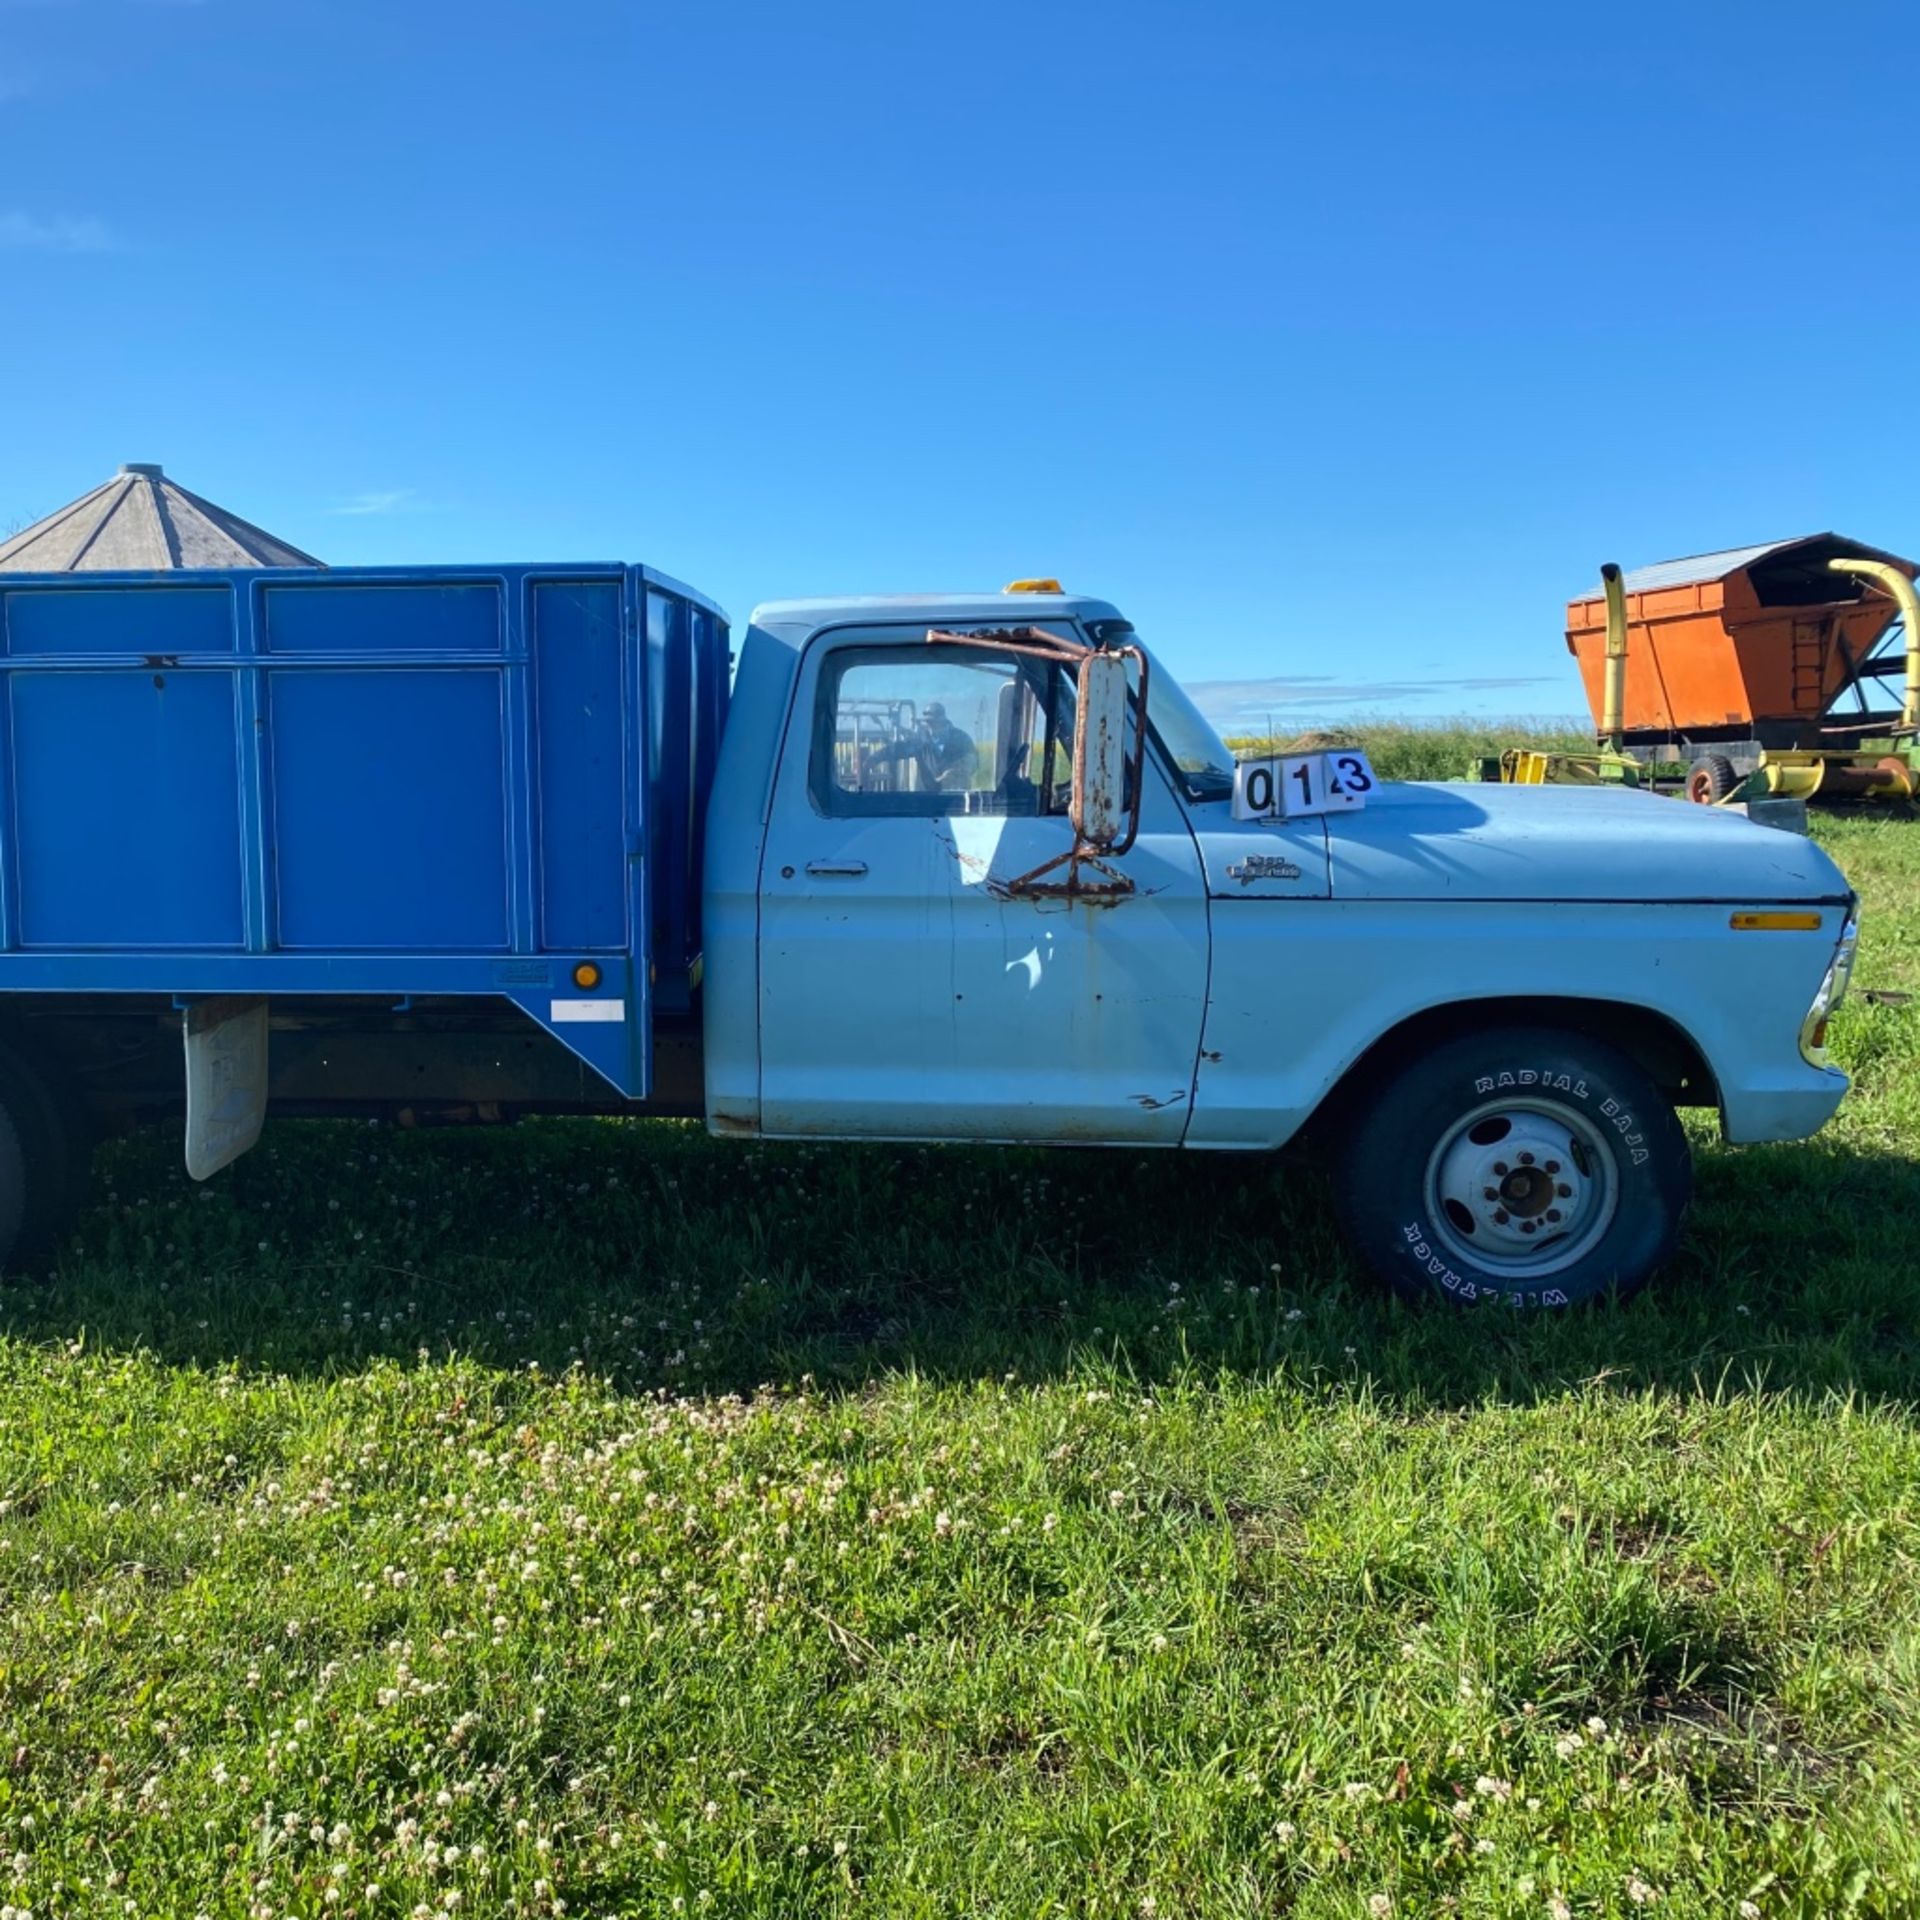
1522, 1188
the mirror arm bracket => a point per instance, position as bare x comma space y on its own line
1103, 893
1033, 641
1137, 770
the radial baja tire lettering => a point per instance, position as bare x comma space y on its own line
1523, 1166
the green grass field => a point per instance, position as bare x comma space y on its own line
591, 1518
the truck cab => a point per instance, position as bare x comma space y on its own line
1491, 1000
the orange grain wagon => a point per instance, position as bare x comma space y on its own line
1755, 645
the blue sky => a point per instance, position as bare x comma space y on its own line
1338, 345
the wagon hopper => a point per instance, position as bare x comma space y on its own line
1787, 668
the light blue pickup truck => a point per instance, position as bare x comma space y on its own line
465, 843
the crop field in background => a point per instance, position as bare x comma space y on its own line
1409, 750
592, 1518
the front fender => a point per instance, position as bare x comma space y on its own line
1301, 992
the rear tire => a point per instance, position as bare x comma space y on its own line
13, 1191
53, 1149
1524, 1165
1711, 778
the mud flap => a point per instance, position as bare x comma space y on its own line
226, 1043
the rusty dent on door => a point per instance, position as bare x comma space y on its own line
1086, 852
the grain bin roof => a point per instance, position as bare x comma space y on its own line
140, 521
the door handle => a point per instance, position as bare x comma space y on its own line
843, 869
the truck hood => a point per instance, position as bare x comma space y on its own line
1447, 841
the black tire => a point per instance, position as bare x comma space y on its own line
1425, 1152
54, 1148
13, 1190
1711, 778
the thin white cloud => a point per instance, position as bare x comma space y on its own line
1241, 703
395, 500
55, 233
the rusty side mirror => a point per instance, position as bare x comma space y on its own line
1106, 758
1109, 755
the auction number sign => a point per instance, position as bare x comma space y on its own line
1301, 783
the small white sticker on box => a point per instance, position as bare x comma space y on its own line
583, 1010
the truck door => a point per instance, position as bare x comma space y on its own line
908, 988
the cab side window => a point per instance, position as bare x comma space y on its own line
937, 730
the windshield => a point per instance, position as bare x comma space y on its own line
1193, 749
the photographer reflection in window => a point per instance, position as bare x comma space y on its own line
942, 752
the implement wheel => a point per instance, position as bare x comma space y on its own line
1710, 779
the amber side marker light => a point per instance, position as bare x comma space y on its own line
586, 976
1775, 923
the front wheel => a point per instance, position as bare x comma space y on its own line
1522, 1165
